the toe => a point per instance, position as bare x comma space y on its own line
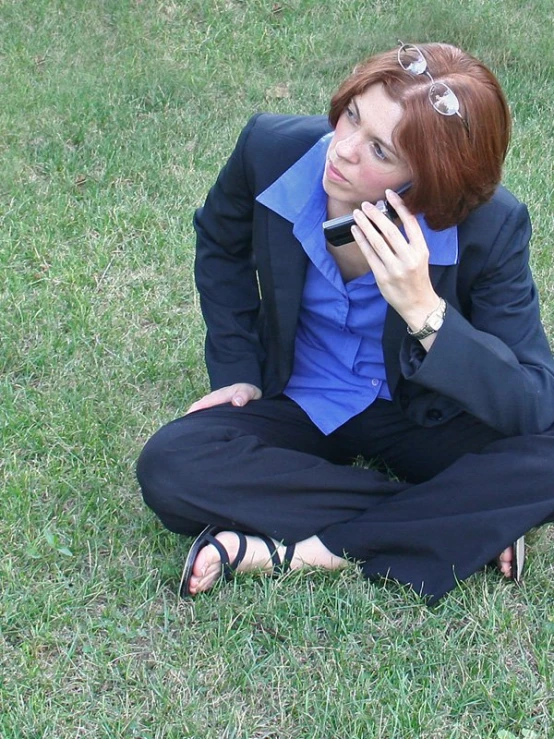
505, 562
205, 570
207, 567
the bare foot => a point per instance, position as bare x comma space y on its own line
207, 566
505, 562
312, 552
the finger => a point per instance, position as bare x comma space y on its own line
409, 221
372, 240
245, 393
397, 203
217, 397
373, 259
239, 399
238, 394
380, 223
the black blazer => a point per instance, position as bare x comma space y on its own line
491, 357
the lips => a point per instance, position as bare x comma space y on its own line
334, 173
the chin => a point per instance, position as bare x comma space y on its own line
336, 190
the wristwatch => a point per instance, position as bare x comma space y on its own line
433, 322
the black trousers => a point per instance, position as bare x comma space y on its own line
467, 492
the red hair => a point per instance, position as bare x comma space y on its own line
453, 171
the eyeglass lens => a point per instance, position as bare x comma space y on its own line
411, 59
443, 100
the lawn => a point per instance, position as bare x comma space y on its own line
115, 117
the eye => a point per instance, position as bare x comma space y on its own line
378, 151
350, 113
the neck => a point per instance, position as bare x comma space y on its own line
337, 208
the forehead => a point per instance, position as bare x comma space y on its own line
379, 113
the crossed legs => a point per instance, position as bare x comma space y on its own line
266, 469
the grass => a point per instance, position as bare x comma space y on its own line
116, 116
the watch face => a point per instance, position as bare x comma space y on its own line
435, 322
436, 319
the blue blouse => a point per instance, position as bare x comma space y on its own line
338, 364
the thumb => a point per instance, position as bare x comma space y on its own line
244, 393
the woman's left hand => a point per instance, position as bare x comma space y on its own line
400, 265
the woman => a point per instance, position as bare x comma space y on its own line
417, 344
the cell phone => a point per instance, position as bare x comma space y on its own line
338, 231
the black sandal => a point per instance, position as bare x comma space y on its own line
228, 568
518, 559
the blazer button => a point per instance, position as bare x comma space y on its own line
434, 414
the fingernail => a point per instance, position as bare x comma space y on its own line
238, 400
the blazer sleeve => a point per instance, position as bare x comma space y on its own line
226, 276
495, 361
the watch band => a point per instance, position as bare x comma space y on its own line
432, 323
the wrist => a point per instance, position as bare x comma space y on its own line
430, 324
415, 314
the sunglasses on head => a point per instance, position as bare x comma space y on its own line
443, 99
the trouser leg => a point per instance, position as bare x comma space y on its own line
478, 491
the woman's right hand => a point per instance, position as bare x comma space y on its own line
238, 394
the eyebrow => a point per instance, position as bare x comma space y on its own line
385, 144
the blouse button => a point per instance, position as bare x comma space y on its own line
434, 414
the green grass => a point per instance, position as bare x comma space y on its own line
115, 117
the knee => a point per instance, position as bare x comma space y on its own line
147, 471
163, 489
175, 463
161, 466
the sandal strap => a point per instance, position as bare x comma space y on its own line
279, 566
228, 568
272, 549
287, 559
518, 561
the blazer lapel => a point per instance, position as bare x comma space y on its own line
288, 263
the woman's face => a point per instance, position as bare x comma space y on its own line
362, 160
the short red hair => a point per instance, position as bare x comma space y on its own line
453, 171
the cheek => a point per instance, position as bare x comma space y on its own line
371, 177
371, 185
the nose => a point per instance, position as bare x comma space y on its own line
348, 147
